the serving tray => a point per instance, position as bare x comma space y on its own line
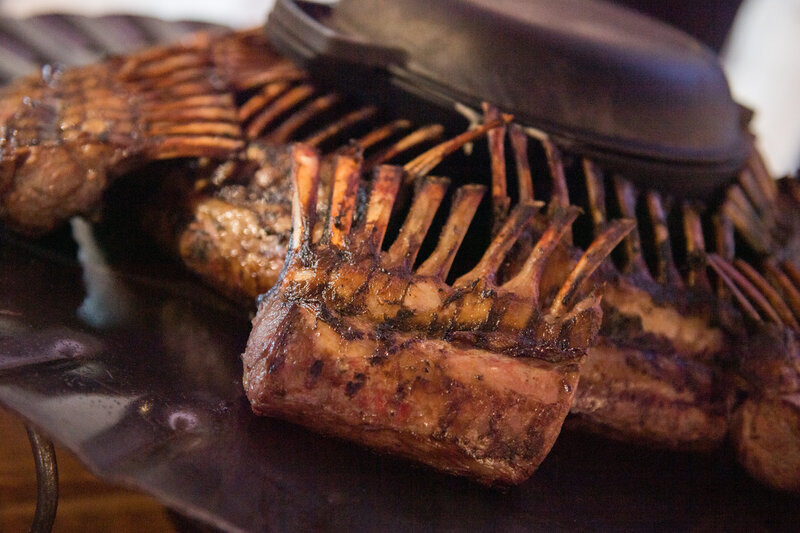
120, 356
150, 397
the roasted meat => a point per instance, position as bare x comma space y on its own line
717, 339
65, 134
764, 283
701, 306
233, 222
473, 378
696, 344
765, 428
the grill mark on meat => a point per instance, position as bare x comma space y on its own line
356, 384
278, 343
407, 385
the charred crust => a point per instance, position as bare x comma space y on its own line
276, 347
458, 294
378, 359
404, 314
345, 331
355, 385
315, 369
401, 391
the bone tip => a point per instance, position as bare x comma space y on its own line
303, 153
474, 188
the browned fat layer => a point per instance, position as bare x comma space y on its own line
688, 333
309, 287
461, 410
661, 401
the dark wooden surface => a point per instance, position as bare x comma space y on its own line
86, 504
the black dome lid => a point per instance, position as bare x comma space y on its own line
601, 79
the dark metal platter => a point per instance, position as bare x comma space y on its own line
151, 397
131, 364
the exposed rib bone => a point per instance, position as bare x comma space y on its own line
340, 125
419, 136
748, 290
142, 67
519, 143
384, 132
305, 169
757, 197
746, 220
560, 196
772, 296
425, 162
695, 248
182, 90
152, 87
719, 266
172, 147
427, 198
159, 53
222, 129
792, 272
790, 292
487, 267
343, 198
725, 240
281, 105
725, 245
181, 115
465, 204
283, 73
666, 271
157, 108
284, 132
497, 154
626, 198
261, 100
527, 281
588, 263
596, 195
384, 191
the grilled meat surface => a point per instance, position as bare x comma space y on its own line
65, 134
765, 429
473, 378
695, 335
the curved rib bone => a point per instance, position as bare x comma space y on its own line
470, 378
